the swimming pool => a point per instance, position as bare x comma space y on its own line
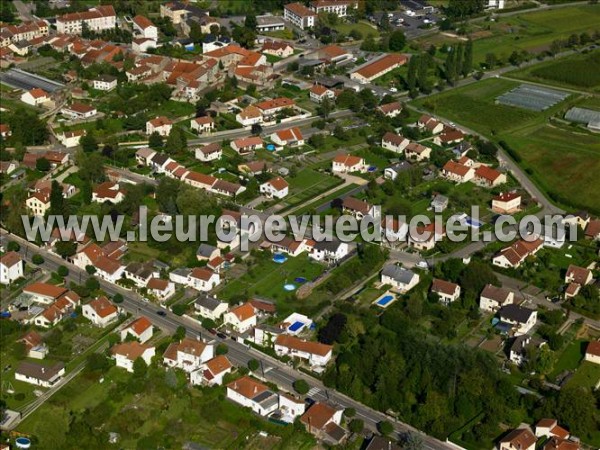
270, 147
289, 287
473, 223
296, 326
385, 300
279, 258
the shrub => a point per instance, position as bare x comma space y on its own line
301, 387
62, 271
37, 259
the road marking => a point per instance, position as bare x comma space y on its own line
313, 391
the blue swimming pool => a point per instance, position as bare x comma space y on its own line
473, 223
270, 147
300, 280
279, 258
385, 300
295, 326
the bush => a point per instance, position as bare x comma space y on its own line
13, 247
37, 259
301, 387
62, 271
180, 309
253, 365
385, 427
356, 425
221, 349
349, 412
117, 298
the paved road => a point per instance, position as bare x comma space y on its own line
24, 10
272, 369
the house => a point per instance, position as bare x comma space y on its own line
425, 237
459, 173
375, 69
277, 48
288, 245
521, 347
210, 307
329, 251
417, 152
206, 252
188, 354
180, 276
104, 83
522, 319
38, 203
108, 192
514, 255
100, 311
140, 329
203, 279
549, 428
211, 373
394, 142
11, 267
337, 7
299, 15
209, 152
160, 125
488, 177
323, 421
8, 167
79, 111
40, 374
290, 407
96, 19
401, 280
241, 318
34, 344
439, 203
579, 275
392, 172
506, 203
555, 442
592, 352
446, 291
269, 108
269, 22
140, 273
430, 124
390, 109
161, 289
381, 443
275, 188
359, 208
107, 267
5, 132
348, 163
249, 116
126, 353
43, 292
142, 26
449, 136
179, 12
592, 231
315, 353
247, 145
202, 125
394, 230
492, 298
197, 179
35, 97
291, 137
318, 93
519, 439
70, 138
248, 392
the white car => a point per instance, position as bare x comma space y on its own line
393, 89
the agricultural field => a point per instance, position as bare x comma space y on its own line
575, 72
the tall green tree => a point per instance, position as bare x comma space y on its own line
423, 74
155, 141
57, 201
460, 51
450, 66
397, 41
88, 142
411, 77
467, 65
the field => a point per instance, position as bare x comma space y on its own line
307, 184
362, 27
578, 72
266, 278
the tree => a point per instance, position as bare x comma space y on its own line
155, 141
221, 349
301, 387
65, 248
331, 332
423, 74
91, 270
385, 427
250, 21
412, 441
256, 129
91, 167
450, 66
325, 108
467, 65
42, 164
62, 271
179, 333
397, 41
37, 259
459, 60
97, 362
140, 368
576, 409
176, 141
490, 60
356, 425
13, 246
117, 298
88, 142
58, 205
253, 365
92, 284
411, 76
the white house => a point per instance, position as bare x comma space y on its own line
417, 152
241, 318
317, 354
247, 145
447, 292
161, 289
126, 353
378, 67
161, 125
514, 255
488, 177
506, 203
390, 109
359, 208
522, 319
291, 137
141, 329
188, 354
549, 428
101, 312
318, 93
145, 28
459, 173
275, 188
248, 392
249, 116
211, 373
430, 124
11, 267
203, 279
38, 203
519, 439
70, 138
402, 280
209, 307
394, 142
108, 191
492, 298
96, 19
202, 125
299, 15
40, 374
329, 251
35, 97
79, 111
348, 163
277, 48
104, 83
592, 352
394, 230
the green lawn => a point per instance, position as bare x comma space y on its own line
588, 375
266, 278
569, 358
307, 184
363, 27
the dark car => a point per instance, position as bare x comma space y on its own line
222, 335
161, 313
212, 331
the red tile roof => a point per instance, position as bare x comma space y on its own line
10, 259
103, 307
142, 22
44, 289
243, 312
390, 60
315, 348
593, 348
443, 286
140, 325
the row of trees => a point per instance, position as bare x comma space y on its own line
459, 62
